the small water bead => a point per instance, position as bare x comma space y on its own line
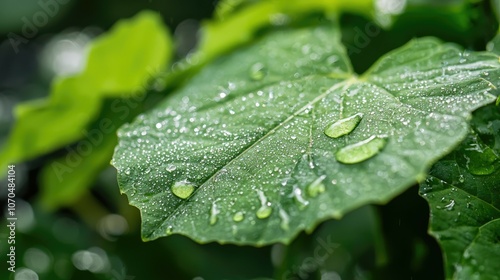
171, 168
182, 189
316, 187
362, 150
169, 230
461, 178
265, 209
343, 126
285, 219
297, 194
258, 71
238, 216
450, 205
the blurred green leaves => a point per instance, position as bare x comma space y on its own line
84, 111
463, 192
118, 64
248, 133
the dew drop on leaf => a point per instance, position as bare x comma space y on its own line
343, 126
264, 212
361, 151
169, 230
238, 216
182, 189
258, 71
285, 219
316, 187
461, 179
297, 194
171, 167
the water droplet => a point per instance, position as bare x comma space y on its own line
285, 219
127, 171
171, 167
265, 208
264, 212
182, 189
213, 214
361, 151
258, 71
316, 187
343, 126
297, 194
238, 216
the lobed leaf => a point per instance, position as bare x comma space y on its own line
247, 135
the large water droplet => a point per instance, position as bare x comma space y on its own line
285, 219
238, 216
361, 151
258, 71
265, 208
316, 187
343, 126
182, 189
213, 214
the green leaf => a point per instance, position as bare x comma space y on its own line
118, 64
245, 18
462, 191
248, 133
494, 45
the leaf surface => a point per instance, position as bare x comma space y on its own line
462, 190
247, 134
119, 63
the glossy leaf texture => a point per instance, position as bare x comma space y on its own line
240, 155
462, 190
119, 63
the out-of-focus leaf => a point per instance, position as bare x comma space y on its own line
494, 45
244, 18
